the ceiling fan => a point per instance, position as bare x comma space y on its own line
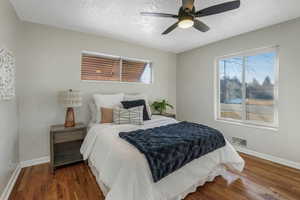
187, 14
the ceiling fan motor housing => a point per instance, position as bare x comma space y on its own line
186, 14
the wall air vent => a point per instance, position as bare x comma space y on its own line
239, 142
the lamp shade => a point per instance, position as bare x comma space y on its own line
70, 98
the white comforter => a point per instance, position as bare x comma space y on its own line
125, 171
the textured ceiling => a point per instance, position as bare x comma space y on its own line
120, 19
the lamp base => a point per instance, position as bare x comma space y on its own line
70, 118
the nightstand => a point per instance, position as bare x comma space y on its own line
168, 115
65, 144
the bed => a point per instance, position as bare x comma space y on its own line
122, 171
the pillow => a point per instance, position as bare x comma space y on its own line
106, 115
106, 101
130, 97
93, 112
128, 116
135, 103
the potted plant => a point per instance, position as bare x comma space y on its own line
161, 106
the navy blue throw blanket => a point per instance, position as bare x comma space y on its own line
168, 148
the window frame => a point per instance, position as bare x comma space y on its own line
243, 121
121, 58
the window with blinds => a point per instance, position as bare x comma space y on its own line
114, 68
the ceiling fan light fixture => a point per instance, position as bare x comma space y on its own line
186, 23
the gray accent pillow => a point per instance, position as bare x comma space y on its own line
128, 116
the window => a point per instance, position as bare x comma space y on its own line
100, 67
247, 88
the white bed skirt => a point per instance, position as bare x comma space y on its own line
218, 171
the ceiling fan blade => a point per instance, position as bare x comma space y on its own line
171, 28
200, 26
158, 15
218, 8
188, 4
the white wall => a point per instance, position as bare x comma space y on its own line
51, 62
8, 109
195, 80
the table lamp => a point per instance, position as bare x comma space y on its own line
70, 99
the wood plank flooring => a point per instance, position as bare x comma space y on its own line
260, 180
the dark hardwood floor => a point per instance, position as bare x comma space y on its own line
260, 180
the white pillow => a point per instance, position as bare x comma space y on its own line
132, 97
107, 101
93, 111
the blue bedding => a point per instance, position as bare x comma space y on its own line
168, 148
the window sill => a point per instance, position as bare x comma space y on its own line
249, 125
115, 82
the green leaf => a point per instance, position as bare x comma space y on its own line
161, 106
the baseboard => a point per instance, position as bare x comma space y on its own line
37, 161
275, 159
11, 183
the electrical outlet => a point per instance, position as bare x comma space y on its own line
239, 141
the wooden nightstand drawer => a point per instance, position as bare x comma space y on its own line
68, 137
